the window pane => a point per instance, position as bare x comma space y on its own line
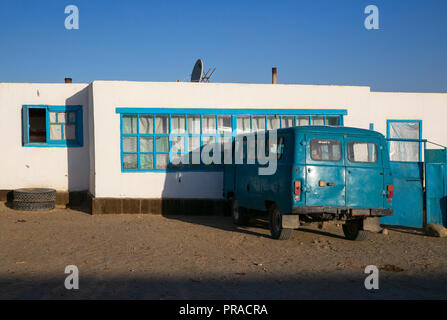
333, 121
243, 124
179, 160
147, 161
325, 150
404, 151
61, 117
194, 124
287, 122
162, 144
53, 117
302, 121
177, 124
162, 124
362, 152
129, 144
258, 123
129, 124
146, 124
404, 130
130, 161
55, 132
70, 132
72, 117
317, 121
178, 144
209, 124
162, 161
194, 144
146, 144
224, 124
37, 125
208, 140
273, 123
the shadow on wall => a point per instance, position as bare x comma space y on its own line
205, 183
78, 165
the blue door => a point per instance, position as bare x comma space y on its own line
364, 173
325, 171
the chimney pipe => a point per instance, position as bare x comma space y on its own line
274, 75
68, 80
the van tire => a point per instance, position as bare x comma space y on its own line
353, 230
238, 214
276, 229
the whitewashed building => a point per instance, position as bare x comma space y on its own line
113, 140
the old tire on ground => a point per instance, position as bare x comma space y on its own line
34, 195
238, 214
276, 229
353, 230
33, 206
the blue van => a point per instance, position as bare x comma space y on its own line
322, 173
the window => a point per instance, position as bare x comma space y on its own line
362, 152
317, 121
52, 126
288, 121
302, 121
332, 121
154, 140
325, 150
405, 140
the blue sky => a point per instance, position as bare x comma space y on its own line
310, 42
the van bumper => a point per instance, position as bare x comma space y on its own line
353, 212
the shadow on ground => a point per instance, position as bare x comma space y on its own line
236, 287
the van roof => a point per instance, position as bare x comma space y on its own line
333, 129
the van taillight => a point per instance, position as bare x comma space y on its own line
390, 192
297, 190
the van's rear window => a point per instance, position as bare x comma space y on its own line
325, 150
362, 152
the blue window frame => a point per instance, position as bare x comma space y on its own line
404, 140
156, 139
52, 126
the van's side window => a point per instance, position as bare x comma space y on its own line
325, 150
362, 152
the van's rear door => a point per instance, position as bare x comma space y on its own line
325, 170
364, 172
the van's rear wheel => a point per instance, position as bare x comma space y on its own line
353, 230
238, 214
276, 229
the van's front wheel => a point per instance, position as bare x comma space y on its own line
238, 214
276, 229
353, 230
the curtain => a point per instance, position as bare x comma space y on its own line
129, 124
194, 124
402, 150
243, 124
146, 125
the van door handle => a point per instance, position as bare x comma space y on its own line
330, 184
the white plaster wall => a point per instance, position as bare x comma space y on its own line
431, 108
111, 182
60, 168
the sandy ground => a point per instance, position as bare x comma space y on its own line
192, 257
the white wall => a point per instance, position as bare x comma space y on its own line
431, 108
58, 168
96, 166
111, 182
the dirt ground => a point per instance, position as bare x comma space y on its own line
193, 257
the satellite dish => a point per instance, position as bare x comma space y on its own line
197, 71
